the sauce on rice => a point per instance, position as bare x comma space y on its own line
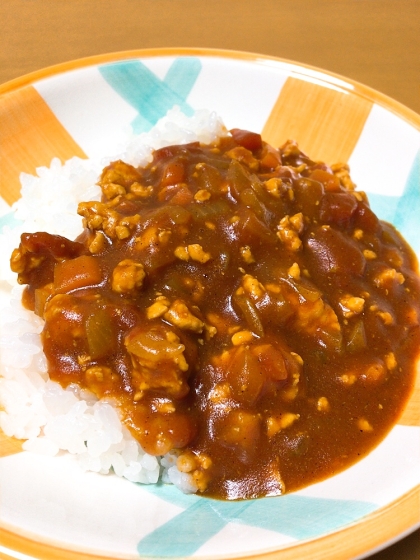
240, 304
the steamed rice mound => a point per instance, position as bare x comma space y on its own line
32, 407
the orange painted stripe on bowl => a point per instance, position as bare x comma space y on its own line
30, 136
328, 124
9, 446
18, 545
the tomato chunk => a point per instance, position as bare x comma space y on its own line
249, 140
77, 273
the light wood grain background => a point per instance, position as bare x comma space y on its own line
376, 42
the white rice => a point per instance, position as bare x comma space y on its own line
32, 407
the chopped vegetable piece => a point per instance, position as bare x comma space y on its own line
77, 273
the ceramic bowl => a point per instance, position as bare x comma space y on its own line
49, 508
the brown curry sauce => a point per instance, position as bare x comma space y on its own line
238, 303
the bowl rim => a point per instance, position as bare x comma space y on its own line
347, 84
365, 536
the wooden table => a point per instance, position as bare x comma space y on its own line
376, 42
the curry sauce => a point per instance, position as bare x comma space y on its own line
241, 305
